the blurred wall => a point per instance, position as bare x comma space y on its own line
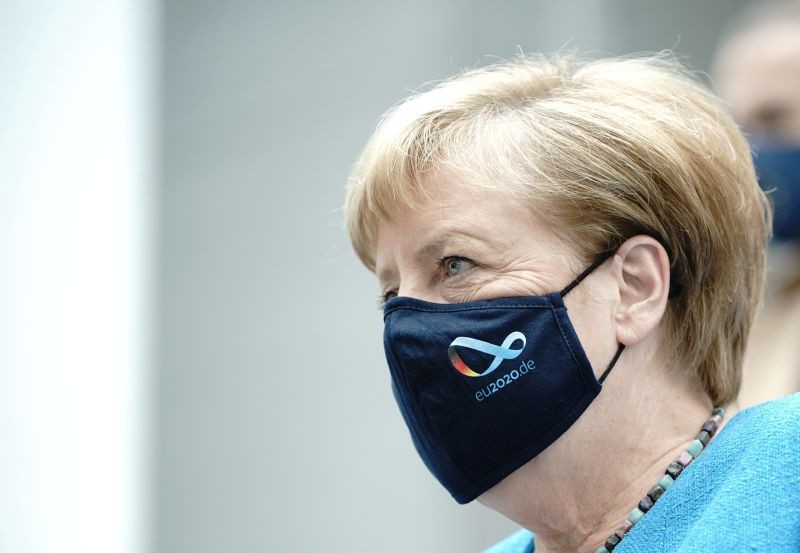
76, 160
276, 427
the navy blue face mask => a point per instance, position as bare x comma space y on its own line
485, 386
778, 172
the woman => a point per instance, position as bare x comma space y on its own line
622, 191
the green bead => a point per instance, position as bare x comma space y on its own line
601, 550
635, 515
695, 448
665, 482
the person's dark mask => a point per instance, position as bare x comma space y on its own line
778, 171
485, 386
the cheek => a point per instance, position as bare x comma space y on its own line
481, 283
594, 326
519, 283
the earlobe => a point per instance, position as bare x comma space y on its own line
642, 274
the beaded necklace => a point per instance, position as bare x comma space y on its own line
674, 470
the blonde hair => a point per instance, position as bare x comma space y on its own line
602, 150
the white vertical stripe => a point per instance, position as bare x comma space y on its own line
75, 166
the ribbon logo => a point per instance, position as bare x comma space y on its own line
501, 352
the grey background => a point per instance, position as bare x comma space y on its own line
275, 426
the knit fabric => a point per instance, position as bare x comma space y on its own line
740, 494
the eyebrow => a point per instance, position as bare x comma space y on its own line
454, 238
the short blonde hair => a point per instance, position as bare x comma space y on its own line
604, 150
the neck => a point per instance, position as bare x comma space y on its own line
579, 490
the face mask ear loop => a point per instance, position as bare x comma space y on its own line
597, 262
613, 362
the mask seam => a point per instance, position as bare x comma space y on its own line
405, 383
569, 347
423, 409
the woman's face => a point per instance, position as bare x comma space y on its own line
467, 243
759, 73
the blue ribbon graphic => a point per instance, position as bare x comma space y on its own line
501, 352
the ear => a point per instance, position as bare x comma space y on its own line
642, 274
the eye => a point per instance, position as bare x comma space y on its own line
389, 295
386, 296
454, 266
